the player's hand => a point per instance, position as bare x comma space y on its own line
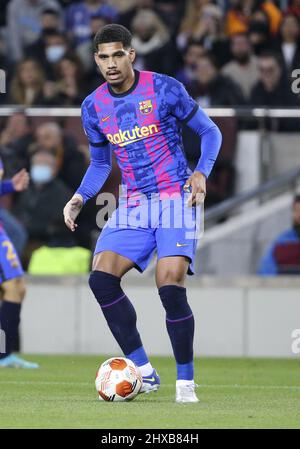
196, 184
72, 210
20, 180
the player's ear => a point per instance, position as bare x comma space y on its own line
96, 57
132, 54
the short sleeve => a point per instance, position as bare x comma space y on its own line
181, 104
89, 122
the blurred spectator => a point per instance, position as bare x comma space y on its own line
126, 17
50, 19
27, 85
151, 40
171, 12
273, 13
187, 74
24, 24
283, 256
40, 207
15, 139
272, 89
70, 162
85, 51
68, 88
289, 42
294, 7
3, 58
48, 50
243, 68
240, 12
209, 31
214, 89
192, 21
237, 17
78, 18
259, 32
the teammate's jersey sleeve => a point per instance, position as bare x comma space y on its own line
181, 104
7, 185
89, 122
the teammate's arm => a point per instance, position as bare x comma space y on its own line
186, 110
17, 183
97, 172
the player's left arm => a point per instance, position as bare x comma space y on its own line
186, 110
211, 139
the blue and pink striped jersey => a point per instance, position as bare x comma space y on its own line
142, 128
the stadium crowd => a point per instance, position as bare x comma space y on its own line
226, 53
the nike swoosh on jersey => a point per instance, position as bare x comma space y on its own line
181, 244
104, 119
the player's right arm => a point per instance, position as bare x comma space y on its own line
98, 170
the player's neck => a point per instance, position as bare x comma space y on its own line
126, 85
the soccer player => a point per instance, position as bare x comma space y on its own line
12, 283
137, 115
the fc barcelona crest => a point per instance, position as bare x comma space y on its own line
146, 106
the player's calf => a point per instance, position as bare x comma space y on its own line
14, 290
121, 317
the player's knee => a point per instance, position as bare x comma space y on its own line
105, 286
14, 289
171, 276
174, 300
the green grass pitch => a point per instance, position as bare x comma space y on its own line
234, 393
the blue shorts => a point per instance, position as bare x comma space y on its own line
10, 265
168, 226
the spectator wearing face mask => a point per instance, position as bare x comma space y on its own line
243, 68
49, 50
283, 255
70, 162
39, 208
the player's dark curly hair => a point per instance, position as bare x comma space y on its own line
113, 33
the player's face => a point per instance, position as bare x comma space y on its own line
115, 62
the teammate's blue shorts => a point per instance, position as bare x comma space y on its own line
10, 265
168, 226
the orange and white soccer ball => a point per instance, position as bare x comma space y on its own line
118, 379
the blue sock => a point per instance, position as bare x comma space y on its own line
117, 309
139, 356
180, 326
185, 371
9, 323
